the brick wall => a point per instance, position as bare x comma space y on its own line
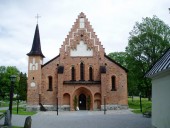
64, 88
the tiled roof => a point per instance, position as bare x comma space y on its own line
161, 65
36, 46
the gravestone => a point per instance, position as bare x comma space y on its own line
28, 121
7, 121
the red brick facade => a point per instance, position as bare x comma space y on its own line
81, 70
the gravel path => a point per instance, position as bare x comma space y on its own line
85, 119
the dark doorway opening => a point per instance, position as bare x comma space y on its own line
82, 102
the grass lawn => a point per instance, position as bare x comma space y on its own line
21, 111
135, 104
4, 104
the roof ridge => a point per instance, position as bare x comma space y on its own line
51, 60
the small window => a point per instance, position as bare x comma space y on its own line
73, 73
50, 83
90, 74
81, 71
113, 83
33, 67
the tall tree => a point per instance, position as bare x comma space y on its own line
5, 73
22, 87
147, 42
2, 81
123, 59
119, 57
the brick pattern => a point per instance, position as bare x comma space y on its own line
34, 76
95, 91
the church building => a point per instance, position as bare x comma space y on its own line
81, 77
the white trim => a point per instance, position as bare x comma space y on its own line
81, 50
73, 38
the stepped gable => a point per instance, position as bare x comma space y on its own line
82, 31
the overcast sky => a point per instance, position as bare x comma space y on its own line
112, 20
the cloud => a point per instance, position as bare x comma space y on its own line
112, 21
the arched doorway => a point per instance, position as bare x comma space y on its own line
82, 102
84, 99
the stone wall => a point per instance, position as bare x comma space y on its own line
67, 107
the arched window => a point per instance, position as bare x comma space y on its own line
90, 73
81, 71
33, 67
50, 83
113, 83
73, 73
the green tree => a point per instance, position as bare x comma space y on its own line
22, 87
5, 73
147, 42
2, 81
119, 57
123, 59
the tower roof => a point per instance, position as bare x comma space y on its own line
36, 46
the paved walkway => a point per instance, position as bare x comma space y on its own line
85, 119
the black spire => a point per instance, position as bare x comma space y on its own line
36, 46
